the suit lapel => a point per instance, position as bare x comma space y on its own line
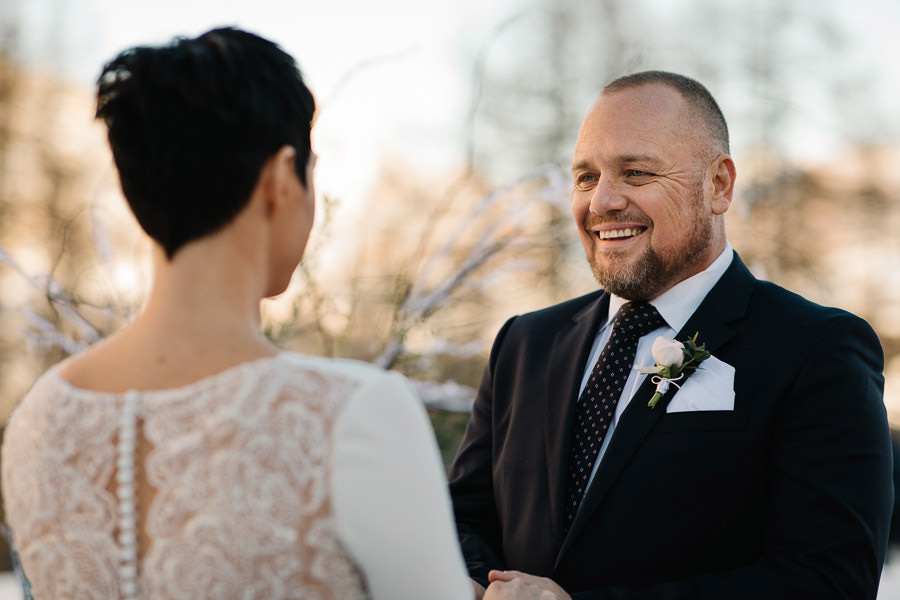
568, 354
725, 303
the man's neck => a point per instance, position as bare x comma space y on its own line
680, 301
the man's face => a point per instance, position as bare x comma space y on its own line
642, 197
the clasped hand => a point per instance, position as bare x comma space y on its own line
515, 585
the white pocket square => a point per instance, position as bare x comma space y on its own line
710, 387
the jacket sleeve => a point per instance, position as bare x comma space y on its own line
472, 485
830, 485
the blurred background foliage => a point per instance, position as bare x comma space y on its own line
420, 276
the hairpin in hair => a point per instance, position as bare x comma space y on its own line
117, 75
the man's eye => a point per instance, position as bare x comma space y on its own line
585, 179
636, 173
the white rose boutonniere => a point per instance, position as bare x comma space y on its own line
675, 361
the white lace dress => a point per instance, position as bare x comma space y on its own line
285, 477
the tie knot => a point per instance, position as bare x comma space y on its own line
635, 319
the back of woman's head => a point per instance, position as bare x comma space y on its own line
191, 124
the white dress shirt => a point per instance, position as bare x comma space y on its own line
676, 306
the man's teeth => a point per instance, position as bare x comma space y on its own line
618, 233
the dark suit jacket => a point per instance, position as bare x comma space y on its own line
788, 496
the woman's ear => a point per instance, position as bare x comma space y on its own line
278, 179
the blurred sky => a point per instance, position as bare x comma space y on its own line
390, 75
394, 77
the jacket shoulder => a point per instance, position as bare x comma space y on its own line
566, 310
536, 328
790, 310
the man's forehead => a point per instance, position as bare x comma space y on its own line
623, 134
639, 121
623, 143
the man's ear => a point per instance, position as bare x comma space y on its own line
723, 176
277, 179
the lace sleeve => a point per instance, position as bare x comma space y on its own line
390, 498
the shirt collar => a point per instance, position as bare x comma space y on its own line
677, 304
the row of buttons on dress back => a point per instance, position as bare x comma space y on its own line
127, 497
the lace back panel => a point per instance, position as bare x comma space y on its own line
239, 463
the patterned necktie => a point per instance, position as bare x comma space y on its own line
597, 404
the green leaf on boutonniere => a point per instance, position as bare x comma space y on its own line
666, 374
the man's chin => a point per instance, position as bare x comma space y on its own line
634, 282
630, 289
632, 293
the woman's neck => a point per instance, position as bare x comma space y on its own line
209, 293
201, 317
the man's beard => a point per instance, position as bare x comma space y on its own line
652, 273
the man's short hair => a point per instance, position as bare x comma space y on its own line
694, 92
191, 124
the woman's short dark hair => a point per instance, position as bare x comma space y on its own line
191, 124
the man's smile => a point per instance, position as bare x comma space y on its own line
618, 234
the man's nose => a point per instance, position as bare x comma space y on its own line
607, 197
